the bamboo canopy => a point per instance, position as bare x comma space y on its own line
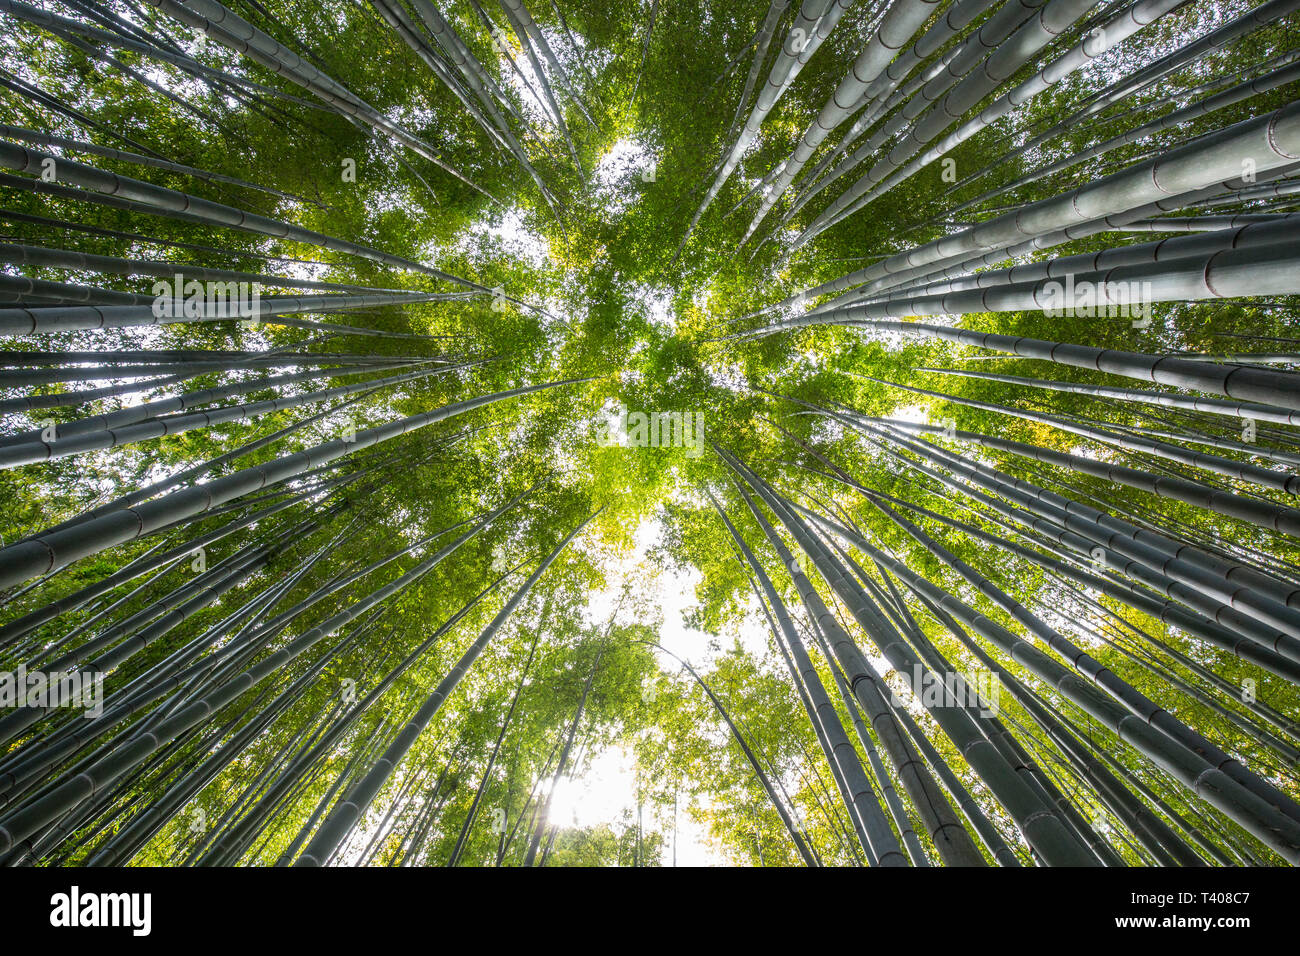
787, 432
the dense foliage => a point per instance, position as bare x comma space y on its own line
561, 212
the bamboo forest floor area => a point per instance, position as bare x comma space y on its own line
564, 433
